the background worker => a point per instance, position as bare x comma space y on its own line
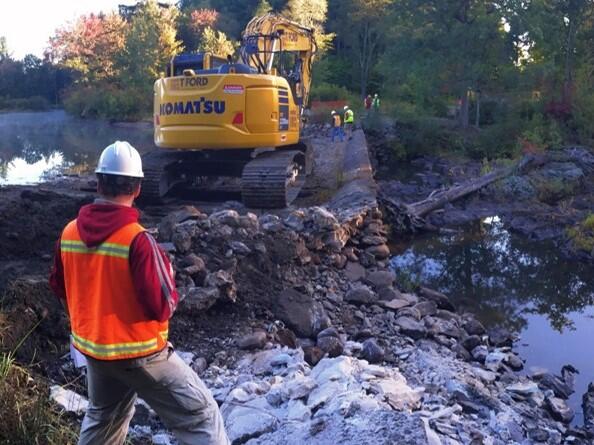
367, 102
336, 126
349, 120
376, 102
119, 290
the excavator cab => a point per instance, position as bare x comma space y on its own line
214, 117
198, 62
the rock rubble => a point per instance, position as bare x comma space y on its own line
330, 350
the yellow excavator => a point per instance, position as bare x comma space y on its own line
213, 117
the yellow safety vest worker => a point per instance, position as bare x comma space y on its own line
349, 117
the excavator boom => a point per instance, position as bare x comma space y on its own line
269, 38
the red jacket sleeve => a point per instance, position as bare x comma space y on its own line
56, 280
153, 279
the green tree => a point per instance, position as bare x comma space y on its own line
216, 42
4, 54
444, 49
263, 7
312, 14
366, 23
150, 43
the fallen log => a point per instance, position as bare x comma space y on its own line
409, 218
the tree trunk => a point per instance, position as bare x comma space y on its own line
464, 118
478, 110
363, 59
410, 217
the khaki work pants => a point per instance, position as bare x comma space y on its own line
166, 383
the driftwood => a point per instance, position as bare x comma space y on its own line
406, 218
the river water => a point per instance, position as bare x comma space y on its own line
36, 146
509, 281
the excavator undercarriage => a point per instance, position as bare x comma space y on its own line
269, 178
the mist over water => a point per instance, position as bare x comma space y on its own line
35, 147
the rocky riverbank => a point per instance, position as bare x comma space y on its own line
296, 323
551, 200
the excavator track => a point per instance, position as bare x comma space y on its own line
157, 181
273, 179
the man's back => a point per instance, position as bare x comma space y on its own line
119, 290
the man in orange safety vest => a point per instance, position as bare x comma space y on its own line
119, 290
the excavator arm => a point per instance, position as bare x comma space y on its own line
273, 44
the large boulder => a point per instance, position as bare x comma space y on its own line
167, 225
361, 295
588, 407
381, 278
556, 180
354, 271
227, 217
372, 351
411, 327
244, 423
301, 313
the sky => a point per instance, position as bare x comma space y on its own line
28, 25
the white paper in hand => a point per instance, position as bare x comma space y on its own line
76, 356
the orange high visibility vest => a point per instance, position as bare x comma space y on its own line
107, 320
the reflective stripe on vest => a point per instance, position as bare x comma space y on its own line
115, 349
106, 316
109, 249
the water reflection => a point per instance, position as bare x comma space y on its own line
500, 277
506, 280
35, 145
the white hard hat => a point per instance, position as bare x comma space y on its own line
333, 112
120, 158
346, 107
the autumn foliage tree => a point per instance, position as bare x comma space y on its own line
202, 18
89, 45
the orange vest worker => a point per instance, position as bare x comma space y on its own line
107, 320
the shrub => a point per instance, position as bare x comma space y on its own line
588, 223
27, 414
33, 103
583, 117
581, 236
540, 134
329, 92
108, 102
